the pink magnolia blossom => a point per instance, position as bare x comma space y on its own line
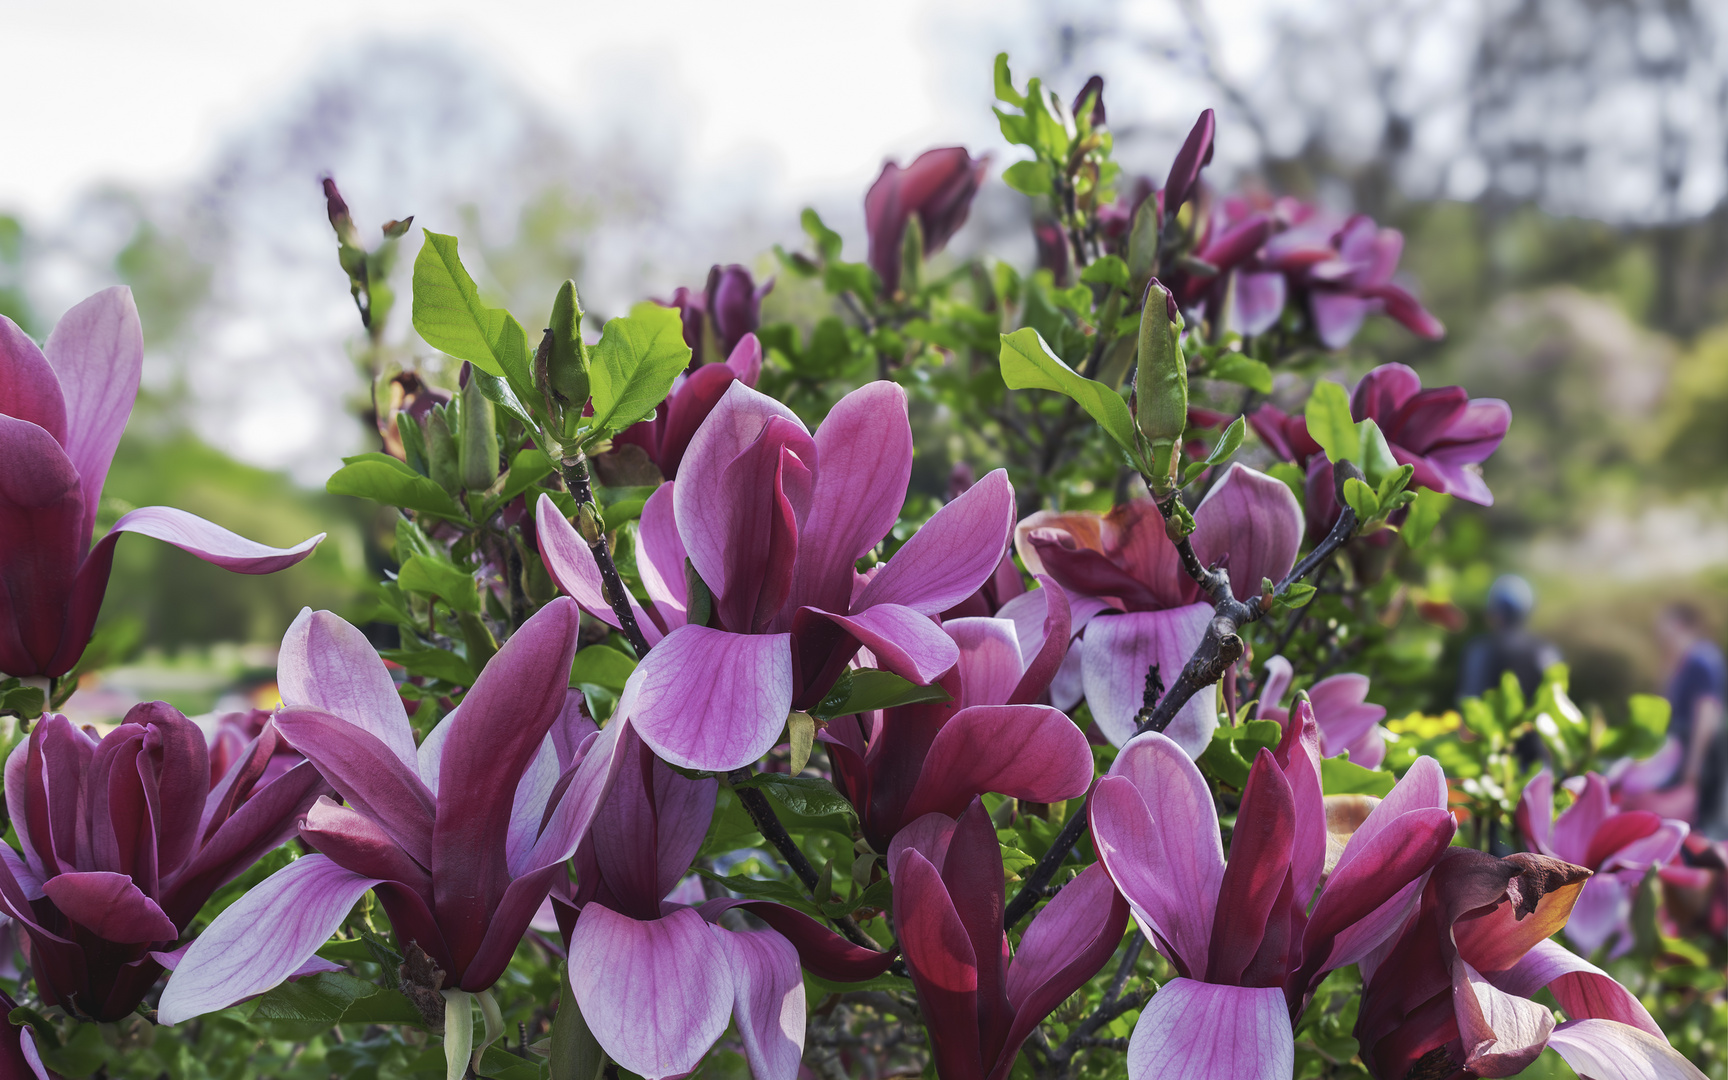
124, 839
937, 188
772, 520
1124, 562
1348, 724
1619, 846
1252, 936
1451, 991
461, 837
980, 1003
656, 980
666, 436
899, 764
62, 409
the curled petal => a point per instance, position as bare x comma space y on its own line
1584, 990
212, 543
952, 555
327, 663
110, 906
768, 1001
1606, 1050
1501, 1034
1030, 752
1256, 521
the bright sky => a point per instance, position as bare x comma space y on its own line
99, 89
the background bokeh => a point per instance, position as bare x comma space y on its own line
1559, 168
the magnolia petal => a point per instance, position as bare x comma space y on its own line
367, 775
768, 1001
1043, 622
864, 456
355, 842
1030, 752
327, 663
1603, 910
1151, 874
97, 351
1253, 519
943, 965
1361, 898
1501, 1034
702, 501
656, 994
660, 558
574, 570
1274, 680
572, 811
262, 938
109, 906
990, 661
1255, 886
1422, 787
820, 950
1067, 927
904, 641
928, 835
1606, 1050
953, 554
1197, 1031
1577, 825
707, 699
211, 542
1120, 649
1584, 990
1259, 301
528, 808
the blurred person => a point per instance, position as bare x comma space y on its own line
1508, 645
1697, 788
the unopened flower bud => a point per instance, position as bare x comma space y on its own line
567, 364
441, 450
1161, 385
589, 523
479, 449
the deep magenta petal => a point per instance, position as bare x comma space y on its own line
1029, 752
954, 553
110, 906
1254, 521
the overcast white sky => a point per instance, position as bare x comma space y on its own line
100, 89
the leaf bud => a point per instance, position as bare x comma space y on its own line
441, 450
479, 443
1161, 385
567, 362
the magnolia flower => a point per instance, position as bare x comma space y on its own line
666, 436
1348, 724
729, 307
937, 187
1618, 846
980, 1004
1248, 937
656, 980
1196, 154
62, 410
1123, 561
1450, 995
899, 764
124, 840
236, 734
771, 520
461, 838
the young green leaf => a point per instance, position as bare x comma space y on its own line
1330, 424
449, 314
1341, 776
827, 241
1361, 499
1243, 370
382, 478
633, 367
601, 665
1028, 363
1109, 270
867, 689
434, 577
1028, 177
1424, 515
1005, 83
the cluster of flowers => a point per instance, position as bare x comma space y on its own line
753, 608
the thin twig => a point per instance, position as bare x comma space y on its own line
576, 479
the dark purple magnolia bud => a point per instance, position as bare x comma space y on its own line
938, 187
734, 304
1095, 88
1196, 154
689, 305
1053, 254
337, 208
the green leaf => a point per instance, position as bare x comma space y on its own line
1028, 363
1341, 776
779, 891
1393, 484
1361, 499
302, 1008
383, 1007
1330, 424
806, 796
601, 665
1297, 595
1109, 270
449, 314
1029, 178
433, 663
26, 701
1229, 755
527, 468
633, 366
866, 690
382, 478
827, 241
1228, 443
435, 577
1376, 460
1241, 369
498, 392
500, 1064
1005, 83
880, 982
1648, 724
1424, 515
